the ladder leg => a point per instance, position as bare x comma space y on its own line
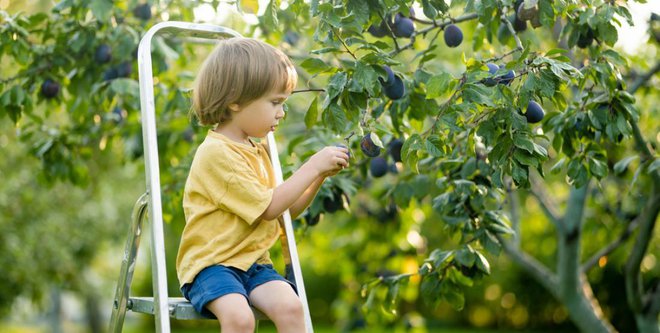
128, 265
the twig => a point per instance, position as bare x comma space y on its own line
548, 206
28, 72
344, 43
444, 106
511, 30
307, 90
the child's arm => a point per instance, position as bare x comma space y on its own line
327, 161
306, 199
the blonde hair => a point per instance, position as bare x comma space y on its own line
239, 71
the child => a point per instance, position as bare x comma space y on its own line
230, 200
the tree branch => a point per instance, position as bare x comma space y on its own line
589, 264
652, 304
536, 269
434, 26
548, 206
648, 217
568, 248
514, 206
642, 79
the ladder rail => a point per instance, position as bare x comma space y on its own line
152, 170
149, 134
120, 303
289, 247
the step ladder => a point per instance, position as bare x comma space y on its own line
149, 206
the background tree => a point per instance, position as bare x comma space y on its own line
463, 121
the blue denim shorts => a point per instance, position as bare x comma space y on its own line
216, 281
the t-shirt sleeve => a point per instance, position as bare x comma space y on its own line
235, 188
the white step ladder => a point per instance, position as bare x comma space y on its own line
162, 306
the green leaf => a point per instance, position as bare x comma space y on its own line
125, 87
477, 94
336, 84
465, 257
525, 158
558, 166
607, 32
335, 118
438, 85
435, 146
102, 9
455, 298
270, 15
523, 142
439, 257
315, 66
482, 263
598, 168
312, 114
366, 76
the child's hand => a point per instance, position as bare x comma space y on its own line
329, 160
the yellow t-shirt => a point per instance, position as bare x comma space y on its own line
229, 186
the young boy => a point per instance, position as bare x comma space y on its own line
230, 200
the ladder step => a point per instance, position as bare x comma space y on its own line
179, 308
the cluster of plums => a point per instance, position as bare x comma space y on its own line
493, 80
393, 86
378, 165
403, 26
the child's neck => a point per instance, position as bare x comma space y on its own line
233, 134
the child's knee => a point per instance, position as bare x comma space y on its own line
289, 310
238, 321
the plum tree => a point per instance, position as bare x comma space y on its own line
534, 112
525, 13
396, 89
585, 37
453, 35
403, 26
336, 201
50, 88
103, 54
368, 146
507, 77
378, 167
380, 30
518, 24
124, 69
142, 11
492, 69
394, 148
389, 78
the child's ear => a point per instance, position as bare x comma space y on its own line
234, 107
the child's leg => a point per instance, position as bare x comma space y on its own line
233, 312
277, 300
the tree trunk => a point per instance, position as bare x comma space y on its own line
585, 311
574, 288
94, 320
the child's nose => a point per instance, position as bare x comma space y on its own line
280, 113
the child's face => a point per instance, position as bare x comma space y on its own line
262, 115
